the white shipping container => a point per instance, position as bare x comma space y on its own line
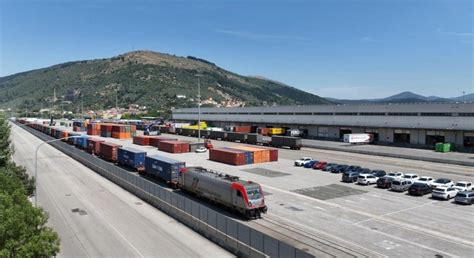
358, 138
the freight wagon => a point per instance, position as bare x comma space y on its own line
240, 137
241, 196
131, 158
164, 168
293, 143
108, 151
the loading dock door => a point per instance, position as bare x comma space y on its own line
401, 136
468, 139
343, 131
374, 132
433, 137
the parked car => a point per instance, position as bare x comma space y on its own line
352, 168
411, 177
445, 182
320, 165
302, 161
443, 192
366, 179
378, 173
465, 197
201, 149
395, 175
427, 180
419, 189
400, 185
339, 168
350, 177
328, 166
384, 182
310, 164
463, 186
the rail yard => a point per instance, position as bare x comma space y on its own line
318, 214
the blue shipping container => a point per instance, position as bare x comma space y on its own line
131, 157
81, 142
248, 154
164, 168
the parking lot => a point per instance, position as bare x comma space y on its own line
364, 218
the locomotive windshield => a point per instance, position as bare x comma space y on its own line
254, 193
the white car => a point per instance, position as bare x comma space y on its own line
445, 182
411, 177
445, 193
463, 186
200, 150
427, 180
366, 179
394, 175
301, 162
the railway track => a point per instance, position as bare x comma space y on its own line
317, 244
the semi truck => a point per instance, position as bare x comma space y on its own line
354, 138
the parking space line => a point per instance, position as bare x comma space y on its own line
395, 212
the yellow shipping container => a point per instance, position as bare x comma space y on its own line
276, 131
195, 127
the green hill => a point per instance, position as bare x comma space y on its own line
145, 78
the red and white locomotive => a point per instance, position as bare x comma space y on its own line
242, 196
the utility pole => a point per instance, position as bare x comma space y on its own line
116, 99
463, 92
82, 106
199, 106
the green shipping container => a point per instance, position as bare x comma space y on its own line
439, 147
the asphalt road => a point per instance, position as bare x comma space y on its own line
96, 218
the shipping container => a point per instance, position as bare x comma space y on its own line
106, 130
108, 151
155, 141
81, 142
249, 155
273, 153
131, 158
263, 131
164, 168
260, 155
142, 139
93, 129
93, 145
228, 156
286, 141
276, 131
240, 137
72, 140
254, 138
173, 146
243, 129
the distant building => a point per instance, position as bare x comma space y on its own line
410, 124
180, 96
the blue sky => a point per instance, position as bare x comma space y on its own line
344, 49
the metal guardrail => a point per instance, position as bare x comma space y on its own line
234, 236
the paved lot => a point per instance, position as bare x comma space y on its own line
366, 219
408, 153
96, 218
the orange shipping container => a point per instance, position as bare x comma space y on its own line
259, 155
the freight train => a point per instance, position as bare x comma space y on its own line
293, 143
233, 193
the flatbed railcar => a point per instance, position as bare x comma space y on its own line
242, 196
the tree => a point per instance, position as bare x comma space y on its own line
23, 230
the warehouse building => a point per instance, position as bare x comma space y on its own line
411, 124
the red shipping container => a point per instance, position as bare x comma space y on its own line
155, 141
141, 140
228, 156
93, 145
108, 151
243, 129
273, 153
262, 130
173, 146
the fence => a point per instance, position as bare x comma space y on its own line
228, 233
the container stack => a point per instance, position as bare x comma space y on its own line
106, 130
108, 151
79, 126
142, 139
229, 156
259, 155
155, 141
174, 146
93, 129
121, 131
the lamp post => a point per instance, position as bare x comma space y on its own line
199, 106
36, 163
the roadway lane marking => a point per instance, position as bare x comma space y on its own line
410, 227
395, 212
